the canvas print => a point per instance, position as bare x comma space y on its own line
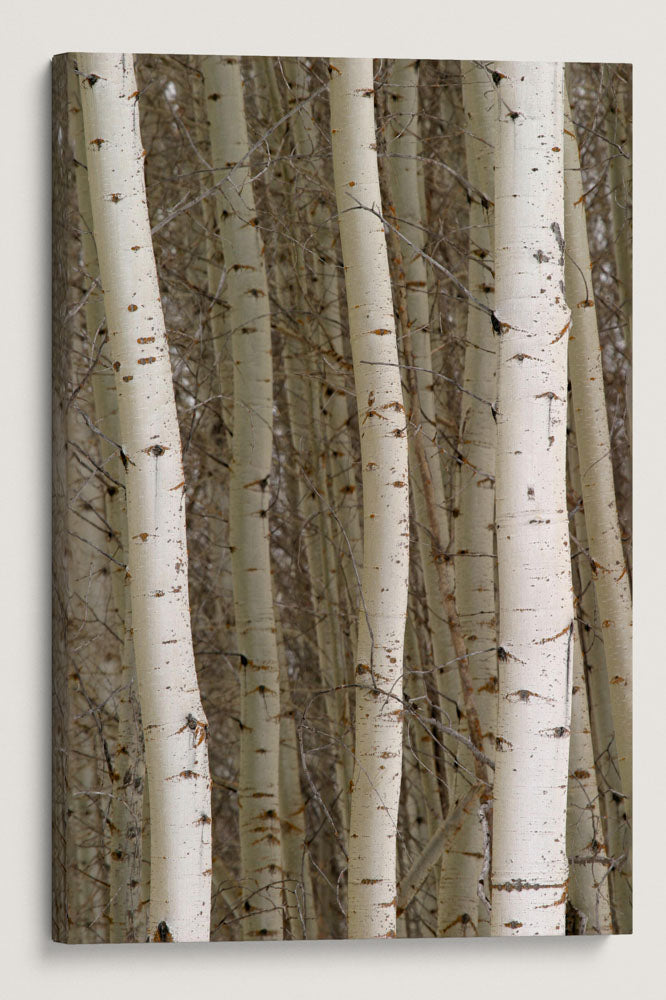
341, 498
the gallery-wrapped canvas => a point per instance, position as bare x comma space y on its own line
342, 498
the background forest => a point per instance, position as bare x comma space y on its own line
437, 167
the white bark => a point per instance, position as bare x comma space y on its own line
588, 882
611, 581
376, 782
174, 723
617, 832
474, 526
439, 841
475, 523
530, 871
458, 894
247, 294
128, 763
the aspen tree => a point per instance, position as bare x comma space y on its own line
474, 526
336, 453
383, 605
91, 766
458, 885
611, 581
126, 809
304, 427
588, 886
619, 176
475, 523
420, 736
85, 568
297, 300
403, 147
249, 319
128, 771
616, 830
175, 726
529, 864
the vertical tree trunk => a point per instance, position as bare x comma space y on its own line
299, 898
611, 581
383, 606
127, 791
474, 526
617, 833
174, 724
458, 883
247, 293
588, 882
530, 871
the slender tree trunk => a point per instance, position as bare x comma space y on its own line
378, 758
457, 884
317, 278
619, 176
617, 833
247, 293
529, 866
128, 764
128, 769
299, 898
611, 581
87, 780
175, 727
588, 882
474, 525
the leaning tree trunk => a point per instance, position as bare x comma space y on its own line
588, 894
247, 294
383, 605
529, 868
174, 724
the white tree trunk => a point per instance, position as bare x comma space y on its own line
174, 723
529, 868
617, 832
611, 581
247, 293
382, 611
588, 882
474, 527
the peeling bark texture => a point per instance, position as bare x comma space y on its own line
249, 319
383, 606
175, 728
611, 580
529, 864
